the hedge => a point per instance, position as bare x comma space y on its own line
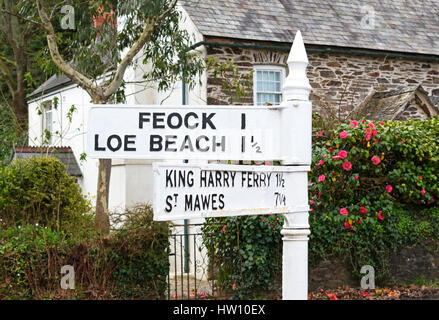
46, 223
373, 191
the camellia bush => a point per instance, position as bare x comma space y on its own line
374, 187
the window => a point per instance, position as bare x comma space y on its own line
268, 82
47, 122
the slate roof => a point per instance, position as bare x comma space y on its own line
387, 105
51, 84
64, 154
409, 26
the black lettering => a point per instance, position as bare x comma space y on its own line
168, 207
142, 118
205, 201
186, 120
197, 144
218, 178
221, 144
170, 140
169, 177
187, 144
188, 202
179, 120
155, 143
214, 196
97, 148
128, 141
207, 121
157, 118
203, 178
119, 142
190, 178
221, 201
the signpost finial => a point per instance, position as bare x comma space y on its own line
297, 85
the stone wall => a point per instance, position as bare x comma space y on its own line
406, 267
338, 80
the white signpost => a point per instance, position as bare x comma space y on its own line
187, 191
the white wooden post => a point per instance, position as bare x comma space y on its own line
297, 112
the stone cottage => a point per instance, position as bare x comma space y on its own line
353, 47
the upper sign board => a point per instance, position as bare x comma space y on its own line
183, 132
188, 191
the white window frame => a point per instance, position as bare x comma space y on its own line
47, 108
275, 68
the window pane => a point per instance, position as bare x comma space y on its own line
271, 78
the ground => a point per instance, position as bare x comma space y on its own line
395, 293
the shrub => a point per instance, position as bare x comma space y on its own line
141, 249
132, 262
247, 253
30, 261
373, 190
369, 183
39, 191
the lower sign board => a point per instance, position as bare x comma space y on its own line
190, 191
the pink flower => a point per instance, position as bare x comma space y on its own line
310, 210
354, 124
347, 165
382, 123
320, 133
344, 211
224, 228
374, 132
403, 141
343, 154
321, 162
343, 134
336, 157
371, 125
389, 188
423, 192
380, 216
311, 201
375, 160
347, 225
356, 177
368, 135
364, 294
331, 149
322, 178
332, 296
333, 172
320, 194
363, 210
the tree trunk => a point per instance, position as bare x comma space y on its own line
102, 217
